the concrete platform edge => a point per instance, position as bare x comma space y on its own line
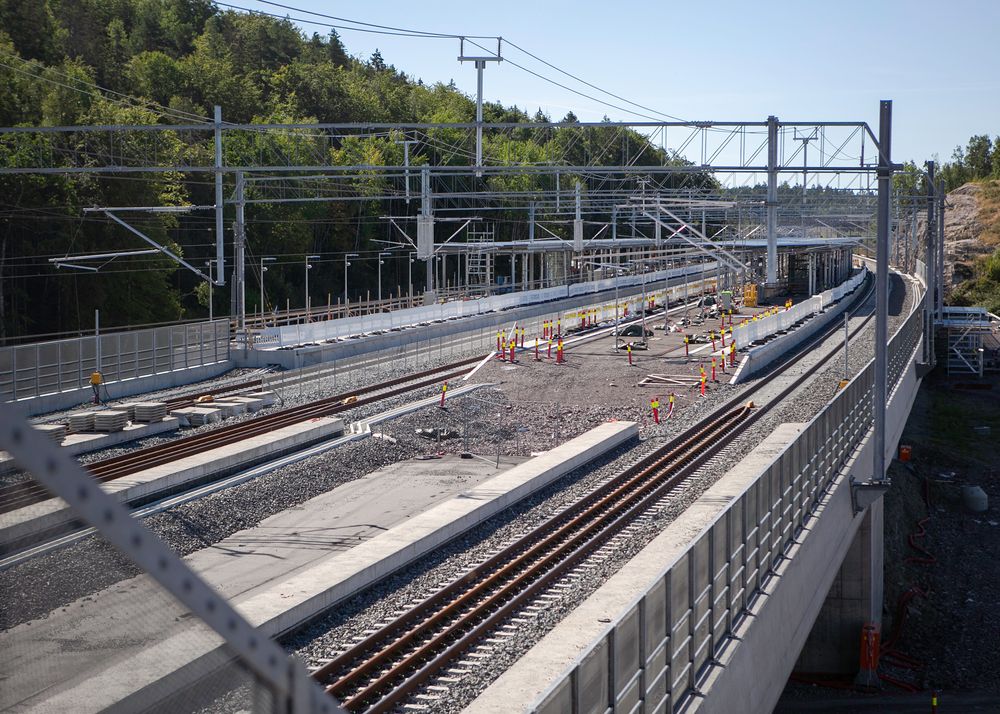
760, 358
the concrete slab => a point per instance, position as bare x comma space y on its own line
267, 397
521, 686
230, 409
86, 442
253, 405
31, 521
280, 574
197, 416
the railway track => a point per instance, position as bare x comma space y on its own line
386, 667
376, 674
25, 493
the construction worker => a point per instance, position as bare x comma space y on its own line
95, 383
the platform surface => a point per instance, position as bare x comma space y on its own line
246, 563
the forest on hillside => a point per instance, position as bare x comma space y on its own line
144, 62
130, 62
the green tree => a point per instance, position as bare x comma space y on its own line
116, 53
212, 78
31, 24
978, 158
156, 75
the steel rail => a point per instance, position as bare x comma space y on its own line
467, 609
26, 493
558, 544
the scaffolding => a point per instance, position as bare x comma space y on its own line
479, 259
967, 329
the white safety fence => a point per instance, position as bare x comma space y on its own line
63, 365
289, 335
758, 330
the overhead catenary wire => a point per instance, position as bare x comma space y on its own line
468, 37
376, 26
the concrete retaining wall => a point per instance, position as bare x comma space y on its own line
752, 673
299, 334
489, 323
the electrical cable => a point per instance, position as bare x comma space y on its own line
327, 24
467, 37
416, 33
133, 102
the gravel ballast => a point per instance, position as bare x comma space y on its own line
368, 610
534, 407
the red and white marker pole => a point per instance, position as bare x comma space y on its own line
670, 406
703, 385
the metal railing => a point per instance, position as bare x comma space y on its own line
171, 642
659, 647
63, 365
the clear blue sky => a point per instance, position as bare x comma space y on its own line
721, 60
